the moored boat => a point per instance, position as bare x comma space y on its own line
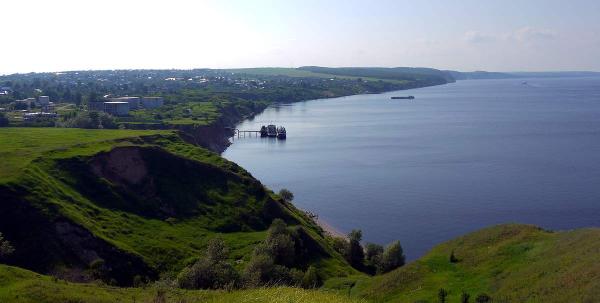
263, 131
271, 130
281, 133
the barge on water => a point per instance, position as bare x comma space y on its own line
273, 131
403, 97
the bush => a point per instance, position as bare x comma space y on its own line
356, 254
259, 270
373, 257
311, 278
211, 272
286, 195
453, 258
6, 249
90, 120
393, 257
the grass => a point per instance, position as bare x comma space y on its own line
22, 286
511, 263
211, 197
19, 146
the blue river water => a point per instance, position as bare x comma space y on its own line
457, 158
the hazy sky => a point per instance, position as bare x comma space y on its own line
465, 35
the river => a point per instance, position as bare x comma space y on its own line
459, 157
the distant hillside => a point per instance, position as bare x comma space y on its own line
510, 263
145, 203
423, 75
477, 75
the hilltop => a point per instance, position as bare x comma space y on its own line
510, 263
145, 203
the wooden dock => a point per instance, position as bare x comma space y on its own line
243, 133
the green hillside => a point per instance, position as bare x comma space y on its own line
510, 263
144, 202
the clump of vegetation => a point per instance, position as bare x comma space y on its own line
286, 194
211, 272
89, 119
274, 261
373, 258
453, 258
6, 248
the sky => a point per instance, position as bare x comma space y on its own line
468, 35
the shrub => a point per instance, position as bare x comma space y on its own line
453, 258
340, 245
286, 195
393, 257
212, 271
311, 278
356, 254
259, 270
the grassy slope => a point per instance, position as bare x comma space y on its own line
22, 286
164, 245
19, 146
512, 263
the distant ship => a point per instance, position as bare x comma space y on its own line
524, 82
281, 132
271, 130
407, 97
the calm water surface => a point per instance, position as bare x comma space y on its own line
459, 157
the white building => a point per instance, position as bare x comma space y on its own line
43, 100
117, 108
152, 102
134, 102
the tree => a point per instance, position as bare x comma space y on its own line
393, 257
464, 297
286, 195
442, 295
356, 254
373, 257
279, 243
6, 249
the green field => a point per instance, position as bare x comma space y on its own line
299, 73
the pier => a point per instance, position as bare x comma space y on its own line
242, 133
265, 131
